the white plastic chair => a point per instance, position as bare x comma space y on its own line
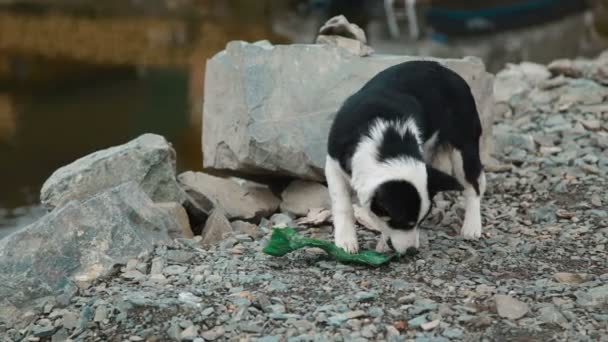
409, 13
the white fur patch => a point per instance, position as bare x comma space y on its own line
368, 173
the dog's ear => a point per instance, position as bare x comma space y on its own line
440, 181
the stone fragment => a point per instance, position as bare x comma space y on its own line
417, 322
571, 278
181, 217
315, 217
240, 199
92, 236
551, 315
430, 325
246, 228
511, 140
213, 334
509, 307
148, 160
190, 333
340, 26
353, 46
275, 125
300, 196
595, 297
216, 228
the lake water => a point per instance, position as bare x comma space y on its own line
72, 84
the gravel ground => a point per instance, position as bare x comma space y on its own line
539, 274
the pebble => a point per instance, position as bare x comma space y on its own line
189, 334
453, 333
571, 278
509, 307
174, 269
364, 296
550, 314
213, 334
430, 325
417, 321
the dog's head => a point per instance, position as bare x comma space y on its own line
405, 202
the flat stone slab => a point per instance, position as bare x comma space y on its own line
268, 108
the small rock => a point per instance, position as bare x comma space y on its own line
213, 334
132, 275
276, 285
592, 125
246, 228
189, 333
69, 320
417, 321
407, 299
594, 297
216, 228
565, 214
511, 140
101, 313
177, 211
300, 196
340, 26
369, 331
571, 278
43, 331
251, 328
60, 336
189, 298
364, 296
268, 339
174, 269
354, 314
179, 256
430, 325
551, 315
315, 217
453, 333
509, 307
391, 331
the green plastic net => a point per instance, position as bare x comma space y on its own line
286, 240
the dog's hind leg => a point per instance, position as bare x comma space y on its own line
469, 172
345, 234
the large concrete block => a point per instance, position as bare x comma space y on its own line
268, 108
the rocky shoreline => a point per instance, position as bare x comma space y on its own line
130, 251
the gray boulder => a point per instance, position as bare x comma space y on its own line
268, 108
78, 243
148, 160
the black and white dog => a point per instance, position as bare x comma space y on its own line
385, 143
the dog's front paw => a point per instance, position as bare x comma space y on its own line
471, 230
348, 242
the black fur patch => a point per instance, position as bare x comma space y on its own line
398, 200
394, 145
